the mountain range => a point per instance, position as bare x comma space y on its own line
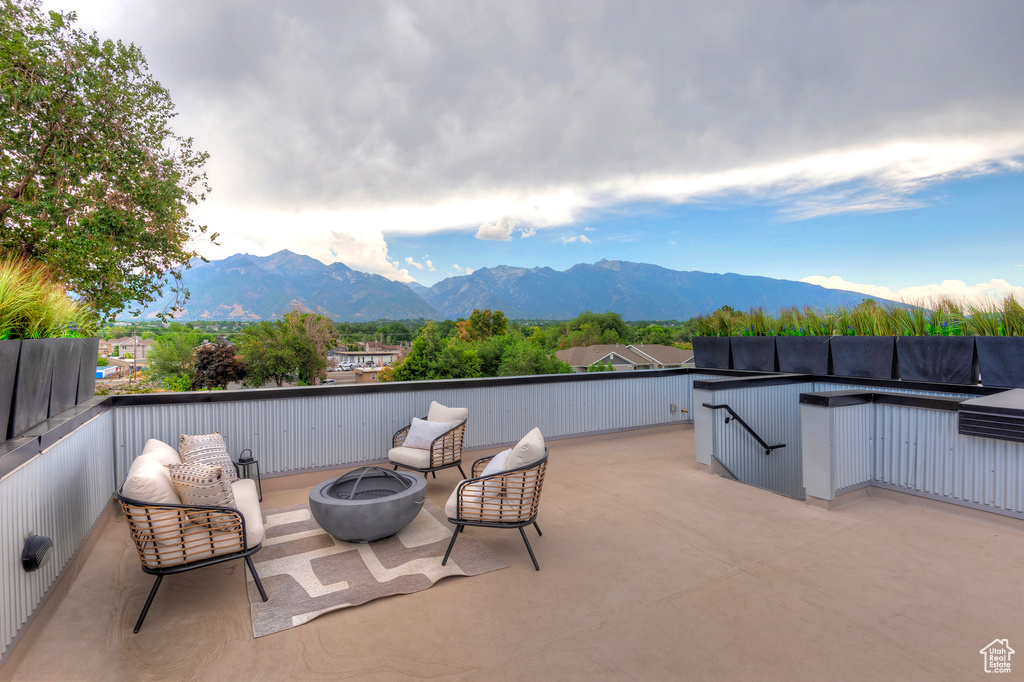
245, 287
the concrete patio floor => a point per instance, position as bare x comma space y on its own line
651, 568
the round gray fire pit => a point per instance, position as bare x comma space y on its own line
367, 504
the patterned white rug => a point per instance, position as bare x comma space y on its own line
308, 573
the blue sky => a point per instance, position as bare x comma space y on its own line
871, 146
968, 229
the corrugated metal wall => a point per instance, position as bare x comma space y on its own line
334, 430
853, 445
918, 450
921, 450
61, 493
774, 413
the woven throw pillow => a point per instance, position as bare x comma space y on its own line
422, 433
201, 484
207, 449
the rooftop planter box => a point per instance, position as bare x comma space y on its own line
67, 361
803, 354
41, 347
10, 350
1001, 360
753, 353
869, 357
937, 359
90, 352
711, 352
31, 396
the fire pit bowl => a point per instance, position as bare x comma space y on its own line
367, 504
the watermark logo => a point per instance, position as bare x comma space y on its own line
997, 656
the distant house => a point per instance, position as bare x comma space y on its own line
361, 357
625, 356
126, 345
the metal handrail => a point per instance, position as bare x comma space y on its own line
767, 448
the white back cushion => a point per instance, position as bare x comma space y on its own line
452, 415
162, 451
149, 481
527, 451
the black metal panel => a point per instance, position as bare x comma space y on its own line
945, 359
870, 357
1001, 360
32, 387
753, 353
67, 362
803, 354
9, 352
87, 369
711, 352
847, 398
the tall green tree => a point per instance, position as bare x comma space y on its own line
93, 181
482, 324
310, 336
172, 358
269, 356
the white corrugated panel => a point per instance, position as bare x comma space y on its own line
773, 412
920, 449
290, 434
852, 444
61, 493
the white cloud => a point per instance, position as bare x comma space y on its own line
576, 238
318, 234
430, 265
588, 229
461, 270
410, 261
503, 229
992, 290
401, 144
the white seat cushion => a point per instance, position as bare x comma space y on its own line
451, 507
410, 457
247, 501
162, 451
199, 543
452, 415
527, 451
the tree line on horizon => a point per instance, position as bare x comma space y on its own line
294, 348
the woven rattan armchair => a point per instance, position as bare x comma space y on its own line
174, 538
445, 450
506, 500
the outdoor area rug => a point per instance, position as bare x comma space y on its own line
308, 573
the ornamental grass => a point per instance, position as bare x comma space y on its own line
34, 306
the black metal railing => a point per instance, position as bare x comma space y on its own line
767, 448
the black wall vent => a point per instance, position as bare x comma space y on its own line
998, 416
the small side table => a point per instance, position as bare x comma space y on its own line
248, 467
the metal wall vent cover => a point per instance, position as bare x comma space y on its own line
999, 416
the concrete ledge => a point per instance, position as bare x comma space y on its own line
843, 500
